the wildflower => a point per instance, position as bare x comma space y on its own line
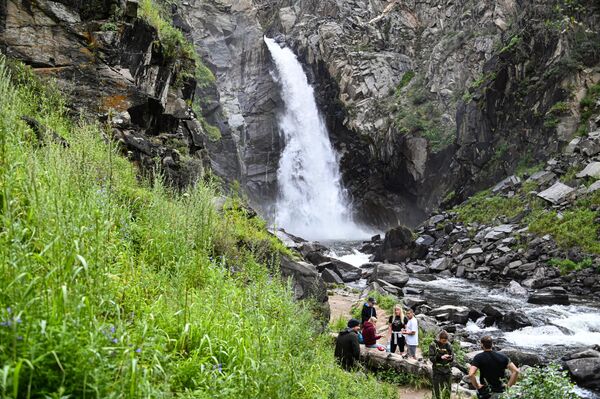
138, 350
9, 310
112, 329
114, 340
218, 367
5, 323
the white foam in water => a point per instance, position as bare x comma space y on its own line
311, 200
580, 327
356, 258
473, 327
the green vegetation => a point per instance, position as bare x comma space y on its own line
403, 379
213, 132
385, 302
115, 288
566, 265
338, 324
514, 42
589, 104
416, 115
406, 78
484, 207
543, 383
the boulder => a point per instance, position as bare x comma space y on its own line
413, 268
557, 193
585, 371
306, 283
397, 245
329, 276
492, 312
595, 186
516, 289
510, 183
591, 170
521, 358
425, 240
514, 320
317, 257
413, 303
542, 177
455, 314
550, 296
427, 324
345, 270
440, 264
392, 274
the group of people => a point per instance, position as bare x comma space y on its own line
403, 332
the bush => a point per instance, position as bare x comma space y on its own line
543, 383
112, 287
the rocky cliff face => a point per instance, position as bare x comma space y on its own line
118, 71
426, 102
423, 99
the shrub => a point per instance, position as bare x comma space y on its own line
543, 383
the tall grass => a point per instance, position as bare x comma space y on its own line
112, 288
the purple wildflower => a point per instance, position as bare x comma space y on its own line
114, 340
138, 350
5, 324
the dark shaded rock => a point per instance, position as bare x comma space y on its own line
585, 371
41, 132
398, 246
514, 320
427, 324
317, 257
550, 296
306, 283
415, 269
521, 358
346, 271
329, 276
413, 302
492, 312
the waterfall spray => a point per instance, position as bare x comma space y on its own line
311, 202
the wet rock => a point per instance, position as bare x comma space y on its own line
557, 193
392, 274
550, 296
455, 314
413, 268
317, 257
514, 320
492, 312
425, 240
516, 289
413, 302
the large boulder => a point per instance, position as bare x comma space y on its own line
398, 246
306, 283
455, 314
391, 274
427, 324
514, 320
346, 271
585, 371
440, 264
329, 276
557, 193
521, 358
550, 296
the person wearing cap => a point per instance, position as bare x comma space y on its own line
368, 310
347, 348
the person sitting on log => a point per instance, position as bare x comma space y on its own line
347, 349
441, 356
369, 333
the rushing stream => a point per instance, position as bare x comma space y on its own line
312, 203
556, 330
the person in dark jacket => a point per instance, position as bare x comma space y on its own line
396, 324
492, 366
368, 310
441, 356
369, 333
347, 349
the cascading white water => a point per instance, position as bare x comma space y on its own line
311, 200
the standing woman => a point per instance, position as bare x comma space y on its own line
396, 323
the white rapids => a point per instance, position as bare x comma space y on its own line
311, 203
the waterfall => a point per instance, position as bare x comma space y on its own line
311, 201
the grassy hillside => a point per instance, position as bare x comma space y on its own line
114, 288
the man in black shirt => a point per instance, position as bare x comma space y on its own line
368, 310
347, 349
441, 356
491, 366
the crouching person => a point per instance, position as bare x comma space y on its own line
441, 356
347, 348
